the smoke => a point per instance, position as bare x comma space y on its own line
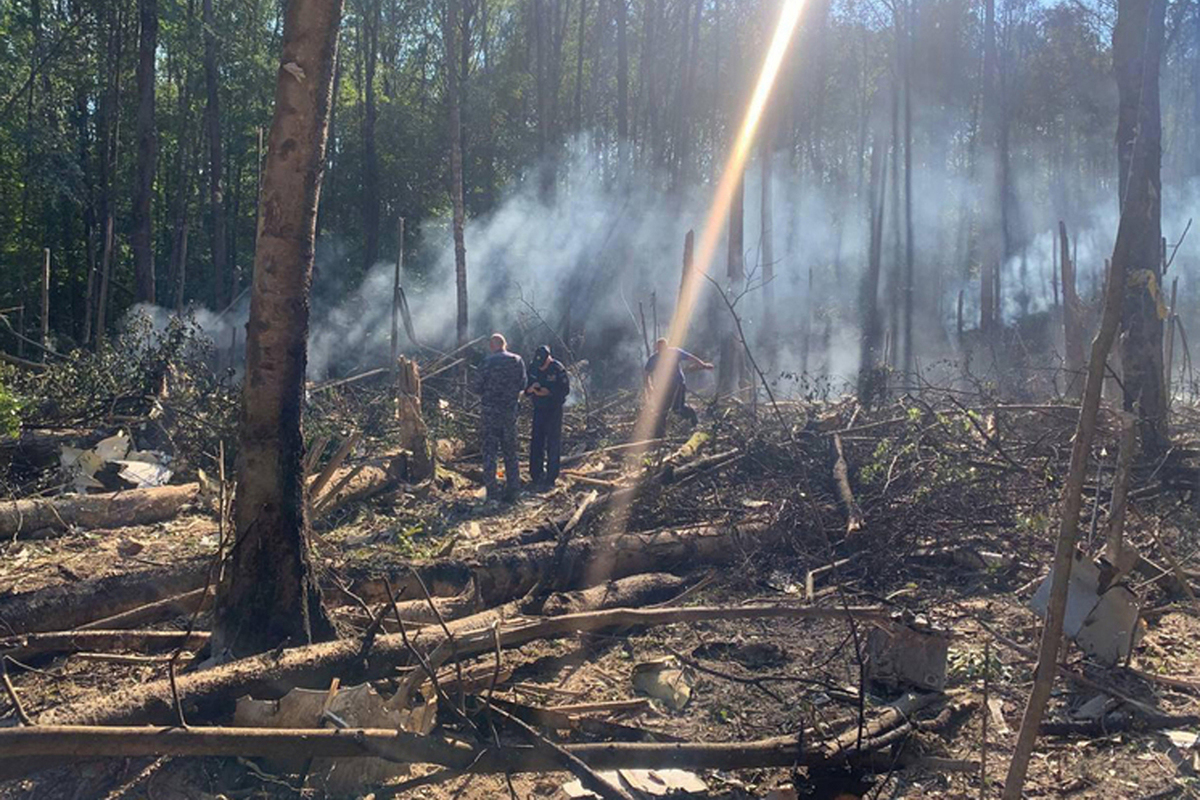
579, 268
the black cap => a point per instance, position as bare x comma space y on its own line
542, 353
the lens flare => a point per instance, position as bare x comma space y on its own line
710, 237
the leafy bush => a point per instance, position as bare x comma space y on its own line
10, 413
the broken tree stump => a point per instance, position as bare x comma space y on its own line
414, 434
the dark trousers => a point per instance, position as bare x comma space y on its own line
676, 402
545, 446
500, 436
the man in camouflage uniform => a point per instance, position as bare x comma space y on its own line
499, 381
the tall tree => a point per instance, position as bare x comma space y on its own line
868, 300
147, 153
1137, 54
729, 372
269, 596
370, 175
454, 103
216, 200
989, 268
767, 220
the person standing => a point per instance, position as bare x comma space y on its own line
548, 387
676, 384
499, 381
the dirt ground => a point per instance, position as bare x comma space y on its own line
929, 485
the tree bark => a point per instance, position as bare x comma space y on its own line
215, 197
909, 288
622, 15
868, 304
269, 595
370, 176
729, 374
767, 218
454, 102
1072, 318
115, 510
989, 257
109, 124
142, 239
1137, 54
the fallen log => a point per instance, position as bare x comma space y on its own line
113, 510
490, 580
634, 591
61, 742
211, 693
157, 611
503, 575
73, 605
358, 483
34, 644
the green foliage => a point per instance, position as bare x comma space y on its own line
10, 412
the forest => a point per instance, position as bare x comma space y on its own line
599, 398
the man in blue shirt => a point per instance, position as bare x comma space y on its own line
676, 386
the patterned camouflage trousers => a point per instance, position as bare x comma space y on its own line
500, 434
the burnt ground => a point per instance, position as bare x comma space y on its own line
959, 494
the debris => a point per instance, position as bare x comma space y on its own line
663, 680
1095, 708
660, 782
995, 707
1104, 624
908, 652
652, 782
347, 707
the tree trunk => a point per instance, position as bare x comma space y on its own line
868, 304
730, 369
269, 594
989, 257
906, 45
370, 195
1137, 52
1139, 31
456, 167
622, 14
1072, 318
215, 198
109, 123
767, 218
142, 239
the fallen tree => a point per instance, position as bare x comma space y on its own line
494, 578
74, 605
34, 644
868, 748
36, 516
211, 694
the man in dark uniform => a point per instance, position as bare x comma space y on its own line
548, 387
676, 384
499, 381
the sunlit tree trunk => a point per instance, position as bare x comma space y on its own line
370, 174
142, 238
269, 595
454, 101
216, 198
